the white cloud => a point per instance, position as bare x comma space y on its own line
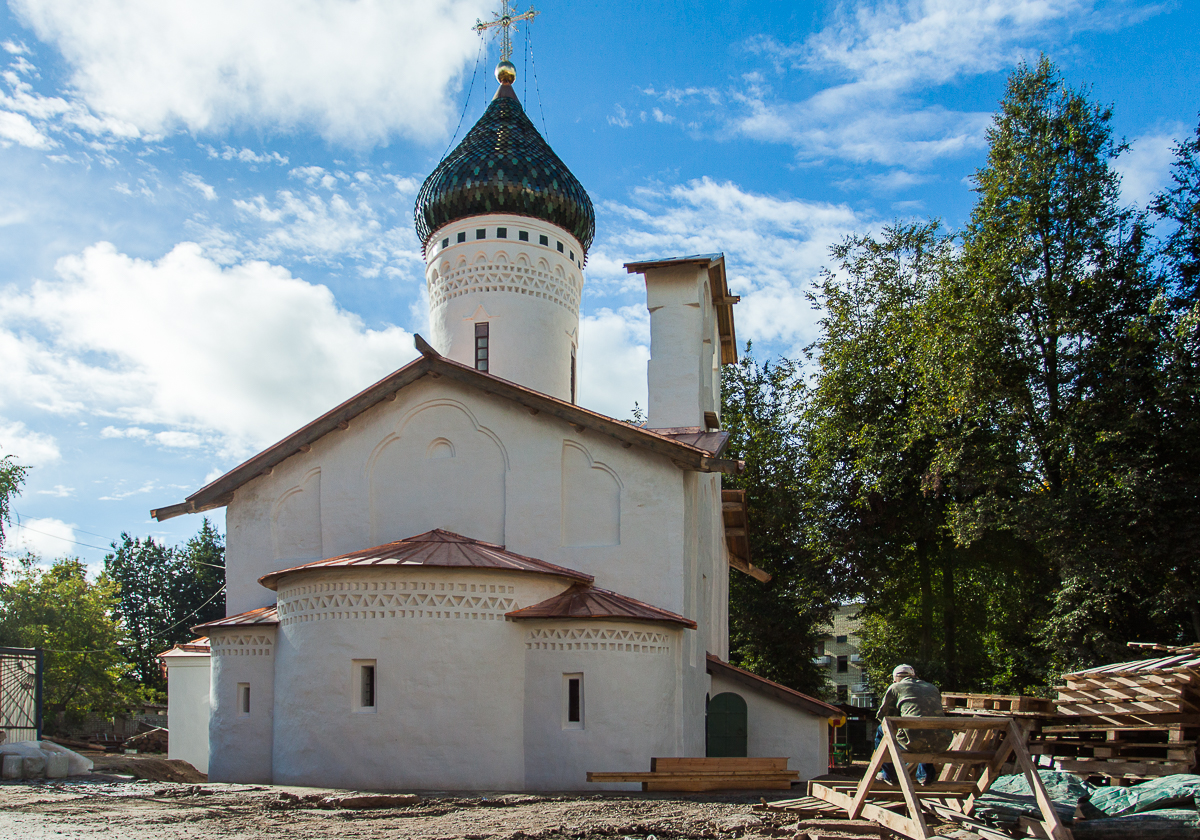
128, 432
773, 246
245, 155
46, 538
197, 183
16, 128
59, 492
120, 495
613, 350
312, 225
238, 355
1146, 168
28, 448
356, 71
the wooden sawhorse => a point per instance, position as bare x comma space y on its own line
978, 751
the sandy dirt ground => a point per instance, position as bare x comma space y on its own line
115, 809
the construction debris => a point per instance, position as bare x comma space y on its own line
154, 741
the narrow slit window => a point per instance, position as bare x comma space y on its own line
446, 242
243, 694
481, 347
572, 701
572, 376
544, 240
363, 694
523, 235
367, 686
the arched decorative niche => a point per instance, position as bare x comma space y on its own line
296, 520
440, 468
591, 499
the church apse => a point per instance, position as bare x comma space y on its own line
440, 469
591, 499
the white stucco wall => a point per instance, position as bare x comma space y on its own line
631, 700
240, 742
188, 684
775, 728
527, 293
378, 483
450, 678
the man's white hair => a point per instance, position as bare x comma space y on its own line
904, 671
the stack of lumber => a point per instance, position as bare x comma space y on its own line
1005, 704
1138, 719
701, 774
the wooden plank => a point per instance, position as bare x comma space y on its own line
952, 723
989, 832
896, 822
1102, 767
669, 765
868, 779
1050, 821
715, 784
951, 757
691, 776
934, 789
906, 782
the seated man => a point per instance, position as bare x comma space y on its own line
908, 696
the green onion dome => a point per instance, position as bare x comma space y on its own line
504, 166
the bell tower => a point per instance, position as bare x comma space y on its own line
506, 229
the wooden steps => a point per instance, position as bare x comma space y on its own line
703, 774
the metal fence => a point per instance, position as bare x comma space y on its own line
20, 694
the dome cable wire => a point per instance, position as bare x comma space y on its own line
467, 104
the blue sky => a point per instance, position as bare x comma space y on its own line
206, 209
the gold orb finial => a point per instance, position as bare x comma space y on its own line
506, 73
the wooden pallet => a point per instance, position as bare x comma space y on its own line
998, 703
977, 754
704, 774
803, 805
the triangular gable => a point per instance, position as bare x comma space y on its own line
220, 492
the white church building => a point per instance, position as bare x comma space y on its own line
460, 579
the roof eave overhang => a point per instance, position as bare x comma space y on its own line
271, 579
718, 283
219, 493
718, 667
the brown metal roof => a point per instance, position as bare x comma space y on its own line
438, 548
582, 601
719, 286
220, 492
261, 616
762, 685
200, 645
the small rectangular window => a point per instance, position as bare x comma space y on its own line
572, 376
446, 242
523, 235
572, 256
367, 684
481, 233
462, 236
560, 247
363, 688
243, 694
841, 640
843, 693
843, 664
502, 233
481, 347
543, 240
572, 701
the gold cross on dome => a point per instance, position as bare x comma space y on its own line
505, 20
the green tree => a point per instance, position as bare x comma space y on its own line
163, 592
1057, 271
1180, 205
12, 476
59, 610
774, 626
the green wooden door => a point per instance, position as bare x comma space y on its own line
727, 726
